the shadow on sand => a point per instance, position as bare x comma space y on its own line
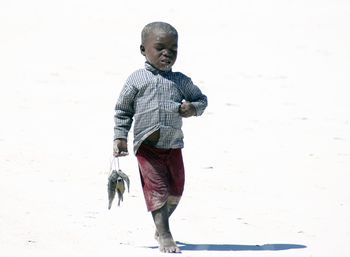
232, 247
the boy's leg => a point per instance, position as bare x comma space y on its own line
172, 203
176, 183
162, 174
171, 206
165, 239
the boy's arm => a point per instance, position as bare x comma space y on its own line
123, 118
194, 98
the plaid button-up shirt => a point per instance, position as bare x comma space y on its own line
152, 99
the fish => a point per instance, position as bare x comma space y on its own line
116, 184
120, 189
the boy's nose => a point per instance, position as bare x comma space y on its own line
166, 53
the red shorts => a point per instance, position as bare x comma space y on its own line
162, 175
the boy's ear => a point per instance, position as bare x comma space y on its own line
142, 49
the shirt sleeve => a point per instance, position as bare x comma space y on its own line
124, 111
193, 94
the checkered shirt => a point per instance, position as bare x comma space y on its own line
152, 99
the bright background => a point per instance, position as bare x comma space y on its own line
268, 162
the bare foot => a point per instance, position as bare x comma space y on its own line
171, 208
167, 244
163, 235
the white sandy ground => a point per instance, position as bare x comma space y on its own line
267, 164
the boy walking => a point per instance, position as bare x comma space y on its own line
156, 99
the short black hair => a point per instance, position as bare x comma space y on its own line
157, 26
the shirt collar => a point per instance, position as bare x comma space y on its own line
154, 70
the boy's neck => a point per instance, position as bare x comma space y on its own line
153, 69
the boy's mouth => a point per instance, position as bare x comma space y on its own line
167, 62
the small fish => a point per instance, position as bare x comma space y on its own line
116, 184
120, 189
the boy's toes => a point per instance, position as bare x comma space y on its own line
168, 245
177, 250
170, 249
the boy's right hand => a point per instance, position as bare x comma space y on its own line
120, 147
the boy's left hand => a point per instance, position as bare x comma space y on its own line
187, 109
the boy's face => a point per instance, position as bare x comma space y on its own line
160, 50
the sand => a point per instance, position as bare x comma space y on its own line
267, 164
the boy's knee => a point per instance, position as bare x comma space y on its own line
173, 200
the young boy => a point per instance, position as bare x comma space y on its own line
157, 98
